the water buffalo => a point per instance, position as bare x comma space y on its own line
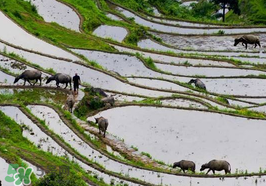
185, 165
98, 91
60, 78
216, 165
110, 100
28, 75
198, 83
248, 39
102, 124
70, 102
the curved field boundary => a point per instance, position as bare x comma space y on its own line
167, 24
193, 50
209, 52
29, 157
175, 173
77, 12
71, 151
133, 84
201, 110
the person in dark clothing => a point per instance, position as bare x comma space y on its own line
76, 81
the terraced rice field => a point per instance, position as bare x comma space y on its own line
158, 118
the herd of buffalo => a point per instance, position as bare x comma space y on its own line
214, 165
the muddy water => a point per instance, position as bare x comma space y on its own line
124, 65
12, 33
54, 11
244, 87
182, 103
185, 31
90, 76
124, 98
208, 42
113, 17
206, 71
176, 60
239, 103
149, 44
199, 138
158, 84
5, 78
113, 32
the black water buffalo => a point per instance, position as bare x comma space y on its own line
248, 39
28, 75
60, 78
102, 124
198, 83
185, 165
217, 165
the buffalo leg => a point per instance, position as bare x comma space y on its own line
70, 85
246, 46
208, 171
213, 171
35, 82
259, 44
66, 86
24, 82
29, 82
255, 45
57, 84
40, 81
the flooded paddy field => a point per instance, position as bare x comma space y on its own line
174, 60
207, 71
208, 42
46, 143
114, 17
14, 34
196, 132
192, 135
113, 32
236, 86
152, 45
184, 30
54, 11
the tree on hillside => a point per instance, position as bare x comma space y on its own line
230, 4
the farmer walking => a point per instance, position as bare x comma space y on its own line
76, 81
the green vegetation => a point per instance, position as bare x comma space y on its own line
14, 145
253, 10
90, 102
58, 178
25, 15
